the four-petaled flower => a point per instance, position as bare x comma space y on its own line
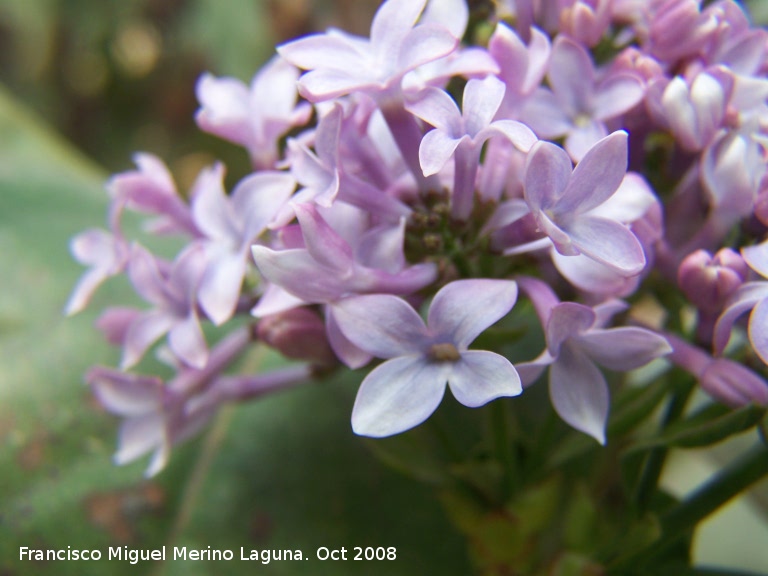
422, 358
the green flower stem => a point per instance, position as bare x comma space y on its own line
747, 469
657, 457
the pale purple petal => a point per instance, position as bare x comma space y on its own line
529, 372
758, 329
298, 273
464, 308
143, 332
392, 21
608, 242
481, 100
623, 348
224, 108
571, 75
482, 376
435, 150
352, 356
114, 323
125, 394
398, 395
597, 177
451, 14
543, 113
437, 108
320, 50
220, 286
547, 172
423, 44
145, 276
616, 95
188, 343
139, 435
583, 137
745, 298
579, 392
211, 209
325, 83
275, 300
757, 258
322, 241
258, 198
592, 276
567, 320
84, 289
517, 133
382, 324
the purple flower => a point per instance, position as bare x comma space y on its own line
254, 116
231, 224
406, 389
339, 63
750, 296
461, 134
578, 104
576, 343
173, 291
561, 200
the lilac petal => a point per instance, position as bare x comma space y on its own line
758, 329
451, 14
435, 150
608, 242
159, 460
275, 300
545, 116
583, 137
224, 108
187, 271
423, 44
326, 84
506, 213
733, 383
541, 295
624, 348
618, 94
211, 209
188, 343
382, 324
517, 133
571, 75
84, 289
382, 248
259, 197
392, 21
462, 309
592, 276
746, 297
114, 323
437, 108
579, 392
482, 376
567, 320
298, 273
95, 247
547, 171
529, 372
323, 243
139, 435
398, 395
145, 276
273, 88
481, 100
352, 356
756, 258
220, 286
318, 50
125, 394
143, 332
597, 176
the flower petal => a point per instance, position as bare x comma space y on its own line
435, 150
462, 309
188, 343
608, 242
745, 298
547, 172
144, 331
382, 324
579, 392
623, 348
758, 329
482, 376
398, 395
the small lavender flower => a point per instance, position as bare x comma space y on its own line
406, 389
578, 105
561, 200
254, 116
576, 342
461, 134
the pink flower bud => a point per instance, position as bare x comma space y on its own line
708, 281
299, 334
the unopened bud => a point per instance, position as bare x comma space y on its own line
299, 334
709, 281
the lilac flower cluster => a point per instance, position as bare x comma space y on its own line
587, 153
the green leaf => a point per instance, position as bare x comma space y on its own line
283, 473
712, 424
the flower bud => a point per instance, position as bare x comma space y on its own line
733, 384
709, 281
299, 334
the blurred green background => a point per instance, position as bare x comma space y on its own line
85, 83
